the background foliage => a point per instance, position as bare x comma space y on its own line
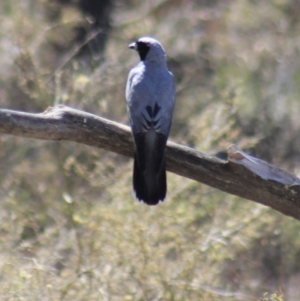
70, 229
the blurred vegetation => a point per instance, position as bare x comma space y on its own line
70, 229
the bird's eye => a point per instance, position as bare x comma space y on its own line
143, 49
142, 44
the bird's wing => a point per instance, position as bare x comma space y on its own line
150, 101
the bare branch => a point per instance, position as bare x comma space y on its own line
63, 123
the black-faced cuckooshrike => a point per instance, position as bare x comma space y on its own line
150, 95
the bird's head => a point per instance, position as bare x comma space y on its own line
149, 50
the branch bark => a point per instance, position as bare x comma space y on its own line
64, 123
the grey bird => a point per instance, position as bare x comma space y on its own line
150, 96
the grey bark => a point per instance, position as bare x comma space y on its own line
64, 123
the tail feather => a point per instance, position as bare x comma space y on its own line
149, 186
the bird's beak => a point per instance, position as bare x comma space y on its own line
132, 45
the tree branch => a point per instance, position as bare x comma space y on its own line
234, 177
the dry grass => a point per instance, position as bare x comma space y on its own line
70, 229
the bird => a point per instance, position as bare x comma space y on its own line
150, 98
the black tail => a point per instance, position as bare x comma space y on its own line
149, 186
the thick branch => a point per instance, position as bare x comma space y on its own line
63, 123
